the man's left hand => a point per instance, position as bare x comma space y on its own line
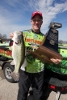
56, 61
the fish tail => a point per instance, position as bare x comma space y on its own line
17, 67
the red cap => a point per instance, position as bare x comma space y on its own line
36, 13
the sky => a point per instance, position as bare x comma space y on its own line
15, 15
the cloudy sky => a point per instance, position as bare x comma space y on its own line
15, 15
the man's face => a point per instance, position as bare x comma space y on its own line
36, 23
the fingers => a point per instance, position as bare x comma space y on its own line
56, 61
11, 35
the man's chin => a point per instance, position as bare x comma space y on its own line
37, 29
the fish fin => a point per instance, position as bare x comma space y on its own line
15, 76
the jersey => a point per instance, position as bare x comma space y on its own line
32, 41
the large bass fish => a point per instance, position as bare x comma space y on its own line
18, 53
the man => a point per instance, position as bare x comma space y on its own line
32, 70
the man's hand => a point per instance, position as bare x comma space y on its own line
56, 61
11, 35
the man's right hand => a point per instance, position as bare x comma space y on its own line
11, 35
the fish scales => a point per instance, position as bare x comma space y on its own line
18, 51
